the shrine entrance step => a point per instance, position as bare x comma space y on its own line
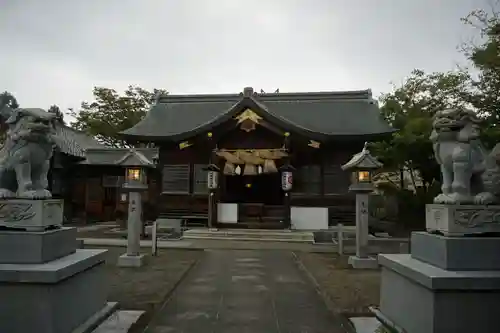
291, 236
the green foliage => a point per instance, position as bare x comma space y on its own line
112, 113
57, 111
410, 108
8, 99
485, 57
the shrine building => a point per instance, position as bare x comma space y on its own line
251, 138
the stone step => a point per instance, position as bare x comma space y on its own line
299, 237
268, 233
249, 235
119, 322
239, 238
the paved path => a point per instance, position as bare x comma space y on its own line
243, 291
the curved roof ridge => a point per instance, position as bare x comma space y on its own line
203, 98
346, 113
321, 95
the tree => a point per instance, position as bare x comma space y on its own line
112, 113
409, 108
485, 58
8, 99
58, 113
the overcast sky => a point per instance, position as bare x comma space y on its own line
56, 51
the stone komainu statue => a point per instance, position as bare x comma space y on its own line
26, 153
469, 173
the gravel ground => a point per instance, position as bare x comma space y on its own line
349, 291
146, 288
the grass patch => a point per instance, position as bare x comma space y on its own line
146, 288
350, 291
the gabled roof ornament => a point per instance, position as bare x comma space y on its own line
157, 97
247, 91
134, 158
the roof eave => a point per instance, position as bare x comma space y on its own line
360, 136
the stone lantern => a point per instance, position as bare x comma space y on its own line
362, 165
136, 165
213, 172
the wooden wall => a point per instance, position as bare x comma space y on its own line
94, 194
319, 166
318, 180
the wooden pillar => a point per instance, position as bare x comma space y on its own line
212, 210
212, 190
288, 210
286, 186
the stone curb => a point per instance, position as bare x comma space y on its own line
174, 244
345, 324
168, 297
192, 245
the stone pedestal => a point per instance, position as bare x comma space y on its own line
55, 297
133, 258
361, 260
31, 215
21, 247
472, 253
126, 260
363, 263
447, 284
47, 285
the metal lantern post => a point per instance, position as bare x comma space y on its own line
213, 183
287, 186
362, 165
135, 183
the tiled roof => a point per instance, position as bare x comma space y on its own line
351, 113
121, 156
73, 142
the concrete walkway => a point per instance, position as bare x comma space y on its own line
238, 291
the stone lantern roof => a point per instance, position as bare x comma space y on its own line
363, 161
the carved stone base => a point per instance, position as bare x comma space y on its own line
460, 220
31, 215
